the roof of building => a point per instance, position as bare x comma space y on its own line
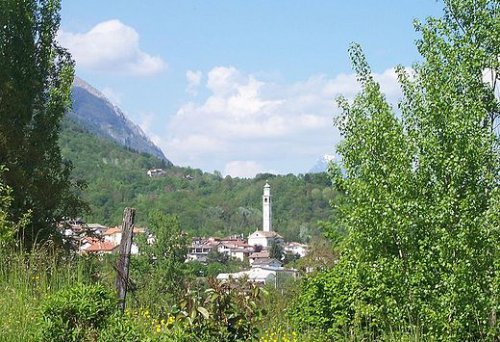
266, 262
118, 230
259, 255
100, 246
258, 275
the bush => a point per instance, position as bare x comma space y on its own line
124, 329
76, 313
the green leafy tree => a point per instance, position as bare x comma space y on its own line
421, 192
35, 79
160, 268
276, 251
7, 227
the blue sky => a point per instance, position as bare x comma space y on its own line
238, 86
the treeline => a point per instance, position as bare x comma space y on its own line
206, 203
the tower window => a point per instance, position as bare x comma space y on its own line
265, 200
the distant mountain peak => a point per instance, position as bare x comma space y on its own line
78, 82
93, 110
322, 163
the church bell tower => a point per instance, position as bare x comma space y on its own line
267, 217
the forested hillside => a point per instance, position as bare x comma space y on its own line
206, 203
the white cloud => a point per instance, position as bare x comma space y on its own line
242, 169
111, 46
194, 80
247, 125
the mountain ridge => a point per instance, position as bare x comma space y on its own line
95, 112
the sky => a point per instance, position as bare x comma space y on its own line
241, 87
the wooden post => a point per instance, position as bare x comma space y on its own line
124, 258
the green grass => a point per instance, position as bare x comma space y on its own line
25, 281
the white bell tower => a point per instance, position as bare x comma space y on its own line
267, 217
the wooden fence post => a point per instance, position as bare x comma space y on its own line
122, 267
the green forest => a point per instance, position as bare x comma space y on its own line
404, 231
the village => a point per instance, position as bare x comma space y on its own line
263, 251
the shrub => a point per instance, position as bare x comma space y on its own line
76, 313
124, 329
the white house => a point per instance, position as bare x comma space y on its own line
156, 172
261, 275
114, 237
264, 239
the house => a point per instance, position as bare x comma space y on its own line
114, 236
200, 247
156, 172
96, 246
254, 275
235, 247
257, 256
264, 239
97, 228
262, 275
267, 263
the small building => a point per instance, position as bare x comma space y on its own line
97, 228
256, 256
114, 236
267, 263
96, 246
262, 275
200, 247
264, 239
156, 173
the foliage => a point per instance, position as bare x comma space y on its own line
170, 243
76, 313
321, 256
124, 329
35, 80
421, 194
159, 271
325, 302
8, 228
223, 312
276, 251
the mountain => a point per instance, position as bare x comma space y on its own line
95, 113
322, 164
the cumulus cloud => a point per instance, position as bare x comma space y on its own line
111, 46
247, 125
242, 168
194, 80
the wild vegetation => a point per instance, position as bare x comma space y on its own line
414, 231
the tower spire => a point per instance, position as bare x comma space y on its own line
267, 224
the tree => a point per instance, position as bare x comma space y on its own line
160, 268
275, 251
7, 227
35, 80
421, 196
169, 242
